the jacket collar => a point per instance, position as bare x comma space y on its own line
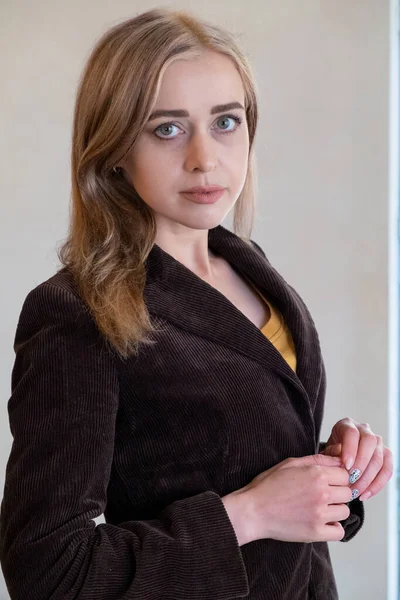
174, 293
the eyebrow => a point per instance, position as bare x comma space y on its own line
219, 108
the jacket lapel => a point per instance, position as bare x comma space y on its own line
174, 293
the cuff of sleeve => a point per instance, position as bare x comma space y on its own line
354, 521
218, 569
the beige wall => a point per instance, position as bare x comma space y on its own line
323, 161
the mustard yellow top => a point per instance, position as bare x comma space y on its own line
278, 333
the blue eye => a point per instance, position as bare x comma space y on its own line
165, 126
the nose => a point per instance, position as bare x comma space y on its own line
201, 153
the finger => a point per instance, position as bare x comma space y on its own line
349, 434
333, 532
321, 460
372, 470
366, 448
337, 512
383, 476
312, 460
339, 494
337, 476
332, 450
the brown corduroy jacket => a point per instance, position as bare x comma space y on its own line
155, 441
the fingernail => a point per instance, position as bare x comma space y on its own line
365, 496
354, 475
349, 463
354, 494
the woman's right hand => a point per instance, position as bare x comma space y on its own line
298, 500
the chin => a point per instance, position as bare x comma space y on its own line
205, 216
202, 222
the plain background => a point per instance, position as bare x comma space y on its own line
323, 155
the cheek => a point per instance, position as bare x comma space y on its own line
236, 152
152, 178
237, 163
149, 170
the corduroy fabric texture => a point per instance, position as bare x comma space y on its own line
155, 441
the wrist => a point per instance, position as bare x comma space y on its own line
238, 506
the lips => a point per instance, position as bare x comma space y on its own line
207, 198
208, 189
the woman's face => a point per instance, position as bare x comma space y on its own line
175, 153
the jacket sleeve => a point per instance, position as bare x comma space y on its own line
355, 520
62, 414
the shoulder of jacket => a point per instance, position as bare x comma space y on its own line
259, 249
60, 285
63, 280
54, 300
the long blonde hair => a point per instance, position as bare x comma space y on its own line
112, 230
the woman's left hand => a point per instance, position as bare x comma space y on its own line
369, 462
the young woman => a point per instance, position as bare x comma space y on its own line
167, 376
